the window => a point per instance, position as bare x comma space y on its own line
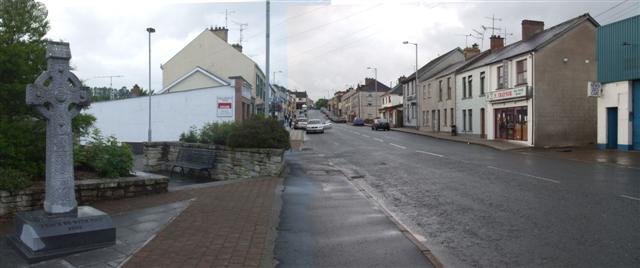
440, 90
448, 88
424, 91
521, 72
452, 117
429, 90
501, 77
427, 118
445, 117
469, 87
464, 120
424, 116
470, 120
369, 104
481, 83
464, 87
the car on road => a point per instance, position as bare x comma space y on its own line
358, 121
328, 125
315, 126
380, 124
301, 123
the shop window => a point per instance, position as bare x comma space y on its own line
445, 117
452, 117
481, 83
464, 120
521, 72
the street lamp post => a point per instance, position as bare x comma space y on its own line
415, 86
274, 75
375, 85
150, 31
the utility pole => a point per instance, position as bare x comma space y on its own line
268, 100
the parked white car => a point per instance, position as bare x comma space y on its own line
315, 126
328, 125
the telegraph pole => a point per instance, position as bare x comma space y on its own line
268, 100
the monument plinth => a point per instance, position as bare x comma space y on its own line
62, 227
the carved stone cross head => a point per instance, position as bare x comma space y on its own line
57, 90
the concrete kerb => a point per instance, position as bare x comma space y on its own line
456, 140
268, 257
401, 227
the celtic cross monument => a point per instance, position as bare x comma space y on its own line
58, 96
62, 227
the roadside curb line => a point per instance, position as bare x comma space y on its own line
459, 141
401, 227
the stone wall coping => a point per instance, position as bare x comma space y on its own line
214, 146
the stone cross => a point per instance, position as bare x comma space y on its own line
57, 94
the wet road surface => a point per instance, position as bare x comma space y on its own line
478, 207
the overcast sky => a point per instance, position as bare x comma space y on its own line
320, 46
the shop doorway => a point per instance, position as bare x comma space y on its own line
612, 128
511, 123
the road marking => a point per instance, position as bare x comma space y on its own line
524, 174
423, 152
630, 197
367, 136
399, 146
380, 140
357, 133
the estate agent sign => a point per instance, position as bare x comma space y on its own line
225, 106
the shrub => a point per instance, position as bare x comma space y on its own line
105, 155
216, 133
190, 136
13, 180
259, 132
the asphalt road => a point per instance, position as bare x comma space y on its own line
479, 207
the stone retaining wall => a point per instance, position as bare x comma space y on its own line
87, 191
230, 164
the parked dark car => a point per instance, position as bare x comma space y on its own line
358, 121
380, 124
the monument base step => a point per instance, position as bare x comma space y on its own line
39, 236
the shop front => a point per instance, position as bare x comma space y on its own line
509, 115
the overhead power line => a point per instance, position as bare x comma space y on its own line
609, 9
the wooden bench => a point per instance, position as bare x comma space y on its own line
192, 158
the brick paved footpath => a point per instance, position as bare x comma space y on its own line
228, 225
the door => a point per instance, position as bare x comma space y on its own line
636, 115
438, 126
612, 128
482, 134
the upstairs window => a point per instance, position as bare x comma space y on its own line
440, 90
448, 88
464, 87
482, 84
521, 72
501, 81
470, 87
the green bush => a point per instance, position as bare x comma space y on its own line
105, 155
259, 132
190, 136
216, 133
256, 132
13, 180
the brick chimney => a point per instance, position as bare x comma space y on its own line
368, 81
238, 47
469, 52
531, 28
221, 32
497, 42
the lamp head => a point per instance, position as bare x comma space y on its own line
405, 42
151, 30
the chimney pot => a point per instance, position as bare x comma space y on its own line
497, 42
531, 28
221, 32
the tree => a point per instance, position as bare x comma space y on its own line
23, 25
320, 103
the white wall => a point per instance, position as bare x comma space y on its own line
616, 94
475, 103
171, 114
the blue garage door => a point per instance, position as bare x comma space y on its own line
636, 115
